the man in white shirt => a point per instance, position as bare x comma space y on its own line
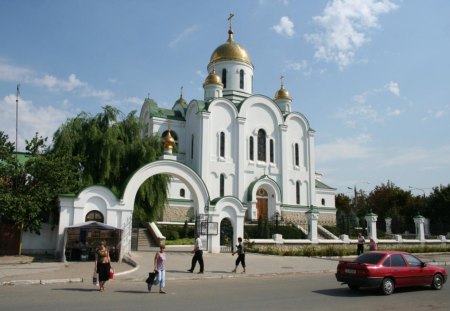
198, 254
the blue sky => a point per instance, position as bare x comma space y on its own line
371, 76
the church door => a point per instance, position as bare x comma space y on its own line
261, 204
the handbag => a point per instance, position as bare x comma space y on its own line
111, 273
95, 279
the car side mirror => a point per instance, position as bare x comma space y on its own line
423, 265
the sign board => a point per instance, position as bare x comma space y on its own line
210, 228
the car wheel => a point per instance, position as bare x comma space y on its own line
387, 286
437, 282
353, 286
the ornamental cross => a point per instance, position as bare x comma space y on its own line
229, 18
281, 78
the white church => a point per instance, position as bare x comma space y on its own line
233, 155
246, 147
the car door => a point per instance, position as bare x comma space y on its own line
419, 273
400, 270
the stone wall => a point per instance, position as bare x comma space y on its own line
300, 218
178, 213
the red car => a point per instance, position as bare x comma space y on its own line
387, 270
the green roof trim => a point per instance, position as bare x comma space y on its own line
321, 185
156, 111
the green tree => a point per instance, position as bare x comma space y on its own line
438, 210
29, 190
110, 148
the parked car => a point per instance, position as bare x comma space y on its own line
388, 270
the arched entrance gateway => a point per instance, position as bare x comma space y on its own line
118, 213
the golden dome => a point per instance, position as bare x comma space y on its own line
230, 51
282, 93
169, 142
213, 78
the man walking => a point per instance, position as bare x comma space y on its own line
198, 255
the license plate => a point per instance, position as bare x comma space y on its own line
350, 271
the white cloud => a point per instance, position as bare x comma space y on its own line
43, 119
53, 83
13, 73
285, 27
393, 88
344, 23
393, 112
344, 149
183, 35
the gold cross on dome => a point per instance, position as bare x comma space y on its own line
281, 78
229, 18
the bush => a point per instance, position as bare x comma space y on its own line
174, 232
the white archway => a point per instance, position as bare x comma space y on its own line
197, 187
118, 213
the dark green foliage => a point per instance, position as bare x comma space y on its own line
111, 149
179, 231
265, 230
29, 191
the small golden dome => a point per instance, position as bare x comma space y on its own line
282, 93
169, 142
213, 78
230, 51
181, 101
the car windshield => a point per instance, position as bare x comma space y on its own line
370, 258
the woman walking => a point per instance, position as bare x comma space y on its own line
160, 266
102, 265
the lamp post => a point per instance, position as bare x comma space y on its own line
420, 189
355, 199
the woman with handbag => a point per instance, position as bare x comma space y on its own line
160, 267
102, 265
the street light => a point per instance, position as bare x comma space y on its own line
420, 189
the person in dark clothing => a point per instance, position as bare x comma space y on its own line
240, 250
198, 255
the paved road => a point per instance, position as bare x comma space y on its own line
310, 292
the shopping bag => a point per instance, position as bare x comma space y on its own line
95, 279
151, 277
156, 279
111, 273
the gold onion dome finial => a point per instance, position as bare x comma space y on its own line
169, 142
230, 50
282, 93
213, 78
181, 100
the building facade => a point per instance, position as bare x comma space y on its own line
243, 145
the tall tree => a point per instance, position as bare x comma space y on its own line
110, 149
29, 189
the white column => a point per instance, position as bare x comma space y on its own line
420, 231
371, 219
284, 163
313, 217
242, 155
311, 168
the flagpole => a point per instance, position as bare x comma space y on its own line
17, 114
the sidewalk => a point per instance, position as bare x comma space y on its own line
27, 270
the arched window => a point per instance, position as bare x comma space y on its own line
222, 185
222, 144
261, 145
296, 155
94, 216
251, 148
224, 77
323, 202
271, 151
241, 79
182, 193
297, 192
